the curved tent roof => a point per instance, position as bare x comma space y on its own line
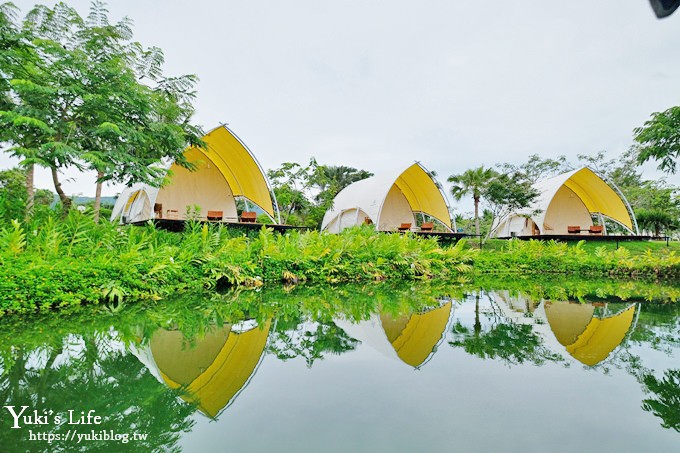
235, 166
238, 166
369, 196
587, 338
211, 372
411, 338
596, 195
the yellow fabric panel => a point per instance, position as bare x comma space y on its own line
215, 386
567, 320
131, 200
182, 361
601, 337
598, 196
423, 194
421, 335
393, 326
238, 167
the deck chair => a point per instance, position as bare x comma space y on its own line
571, 229
596, 229
405, 227
172, 214
248, 217
215, 216
427, 226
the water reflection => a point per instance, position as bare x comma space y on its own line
209, 371
410, 337
588, 332
167, 369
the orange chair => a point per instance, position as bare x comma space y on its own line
571, 229
405, 227
596, 229
248, 217
427, 226
215, 216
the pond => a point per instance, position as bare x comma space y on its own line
489, 366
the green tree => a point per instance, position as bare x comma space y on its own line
305, 193
655, 220
86, 95
537, 168
659, 138
508, 193
472, 182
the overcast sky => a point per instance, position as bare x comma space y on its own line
378, 84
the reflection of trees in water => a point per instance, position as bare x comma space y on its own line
89, 372
666, 405
309, 340
658, 328
503, 339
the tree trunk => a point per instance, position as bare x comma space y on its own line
65, 201
98, 196
30, 190
477, 216
478, 324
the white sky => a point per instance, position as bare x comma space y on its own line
377, 84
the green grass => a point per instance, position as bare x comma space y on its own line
635, 247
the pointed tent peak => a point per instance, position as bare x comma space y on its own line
239, 167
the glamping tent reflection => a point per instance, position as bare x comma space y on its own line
587, 332
210, 371
412, 338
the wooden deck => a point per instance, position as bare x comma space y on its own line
579, 237
178, 225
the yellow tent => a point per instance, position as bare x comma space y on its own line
224, 171
414, 337
388, 201
211, 372
569, 199
587, 338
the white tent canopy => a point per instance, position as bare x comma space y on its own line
388, 201
569, 199
225, 171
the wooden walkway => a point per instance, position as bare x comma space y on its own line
579, 237
178, 225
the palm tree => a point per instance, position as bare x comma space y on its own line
472, 182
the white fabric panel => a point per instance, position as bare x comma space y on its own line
395, 211
367, 195
204, 187
140, 209
566, 209
120, 203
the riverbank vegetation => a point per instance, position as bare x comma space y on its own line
53, 262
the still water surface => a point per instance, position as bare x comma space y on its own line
372, 368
